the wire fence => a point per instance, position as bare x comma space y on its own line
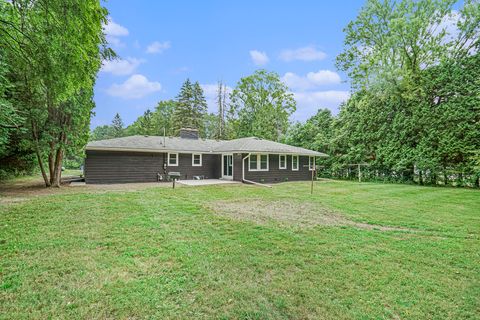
367, 173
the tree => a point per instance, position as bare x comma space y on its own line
409, 113
163, 117
117, 126
199, 105
393, 40
146, 123
53, 49
261, 105
102, 133
221, 131
315, 134
210, 126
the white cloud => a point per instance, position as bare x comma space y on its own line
158, 47
259, 58
121, 67
210, 92
135, 87
113, 32
309, 102
114, 29
311, 80
309, 53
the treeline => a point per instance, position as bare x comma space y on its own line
414, 114
50, 53
260, 105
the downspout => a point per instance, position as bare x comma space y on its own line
249, 181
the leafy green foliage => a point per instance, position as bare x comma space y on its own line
261, 106
53, 50
414, 113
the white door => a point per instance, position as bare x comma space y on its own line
227, 166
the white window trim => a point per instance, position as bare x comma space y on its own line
311, 165
258, 155
298, 163
193, 162
176, 158
280, 161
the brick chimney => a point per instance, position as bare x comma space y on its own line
188, 133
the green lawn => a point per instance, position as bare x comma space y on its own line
218, 252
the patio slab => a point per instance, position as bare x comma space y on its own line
206, 182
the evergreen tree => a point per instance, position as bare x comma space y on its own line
117, 126
191, 107
199, 104
183, 113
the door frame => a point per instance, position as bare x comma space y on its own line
222, 175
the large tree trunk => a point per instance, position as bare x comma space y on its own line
42, 168
39, 155
57, 174
51, 161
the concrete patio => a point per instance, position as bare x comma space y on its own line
206, 182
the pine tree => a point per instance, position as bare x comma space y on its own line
117, 125
183, 113
199, 104
146, 123
191, 107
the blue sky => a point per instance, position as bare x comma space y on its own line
161, 43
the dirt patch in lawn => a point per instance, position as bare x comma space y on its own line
290, 213
22, 189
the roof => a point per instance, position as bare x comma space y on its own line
176, 144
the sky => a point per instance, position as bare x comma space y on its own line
162, 43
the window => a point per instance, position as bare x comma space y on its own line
295, 163
173, 159
196, 159
252, 162
311, 163
282, 160
258, 162
263, 162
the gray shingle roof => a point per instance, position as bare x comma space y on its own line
175, 144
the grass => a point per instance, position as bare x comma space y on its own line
175, 254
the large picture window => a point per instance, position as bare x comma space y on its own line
196, 159
258, 162
295, 163
282, 161
173, 159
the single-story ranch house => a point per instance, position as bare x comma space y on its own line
152, 158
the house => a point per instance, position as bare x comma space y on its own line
151, 158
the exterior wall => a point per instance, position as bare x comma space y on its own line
210, 169
274, 174
237, 166
123, 167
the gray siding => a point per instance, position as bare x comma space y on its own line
237, 166
274, 174
123, 167
210, 169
